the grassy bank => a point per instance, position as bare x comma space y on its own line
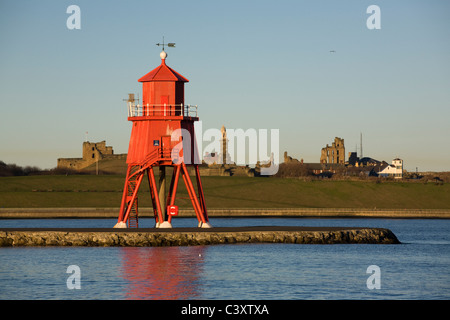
226, 192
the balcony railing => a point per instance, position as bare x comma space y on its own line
161, 110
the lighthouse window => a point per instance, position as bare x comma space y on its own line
156, 143
93, 155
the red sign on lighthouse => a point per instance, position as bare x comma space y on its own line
152, 145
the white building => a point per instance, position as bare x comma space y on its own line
394, 170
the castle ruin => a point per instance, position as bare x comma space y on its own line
334, 153
92, 152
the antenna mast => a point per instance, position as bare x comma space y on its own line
360, 138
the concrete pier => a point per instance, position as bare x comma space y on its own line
13, 237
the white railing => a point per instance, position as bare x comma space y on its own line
161, 110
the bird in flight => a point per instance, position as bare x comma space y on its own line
332, 51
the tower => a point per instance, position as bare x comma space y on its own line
162, 136
335, 153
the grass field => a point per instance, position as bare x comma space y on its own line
225, 192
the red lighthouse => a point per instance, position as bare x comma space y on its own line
156, 141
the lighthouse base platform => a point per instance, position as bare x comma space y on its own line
156, 237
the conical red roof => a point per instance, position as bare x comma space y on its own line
163, 73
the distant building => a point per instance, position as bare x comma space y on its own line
334, 153
92, 152
288, 159
367, 161
324, 169
352, 158
394, 170
355, 161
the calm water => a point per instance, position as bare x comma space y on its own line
416, 269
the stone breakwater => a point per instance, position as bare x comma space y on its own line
193, 237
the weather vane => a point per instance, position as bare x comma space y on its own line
170, 44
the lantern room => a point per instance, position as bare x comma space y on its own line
163, 86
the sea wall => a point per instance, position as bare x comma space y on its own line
173, 237
51, 213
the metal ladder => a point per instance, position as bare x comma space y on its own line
133, 221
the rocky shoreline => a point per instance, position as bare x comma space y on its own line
193, 236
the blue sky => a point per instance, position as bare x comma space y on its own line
251, 64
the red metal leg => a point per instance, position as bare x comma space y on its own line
173, 188
155, 194
124, 195
155, 209
200, 193
177, 170
134, 196
172, 180
192, 195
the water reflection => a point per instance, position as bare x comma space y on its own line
170, 273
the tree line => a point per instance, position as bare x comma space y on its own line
9, 170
